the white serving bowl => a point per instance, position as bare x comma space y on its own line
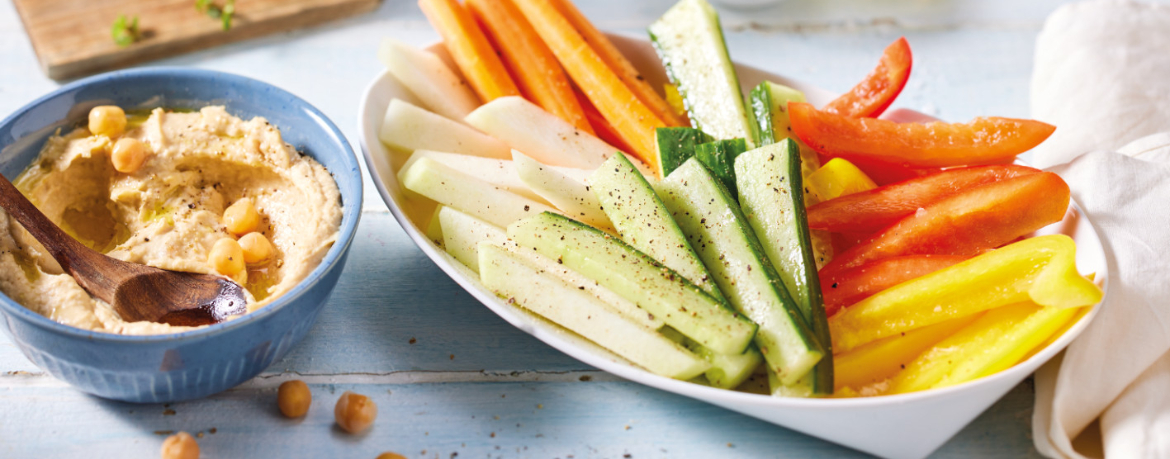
903, 426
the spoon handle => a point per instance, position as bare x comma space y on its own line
72, 255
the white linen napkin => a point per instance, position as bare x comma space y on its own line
1102, 76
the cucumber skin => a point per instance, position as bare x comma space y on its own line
684, 89
632, 231
665, 272
808, 296
676, 145
719, 157
790, 307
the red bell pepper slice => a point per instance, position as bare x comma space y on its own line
982, 141
849, 286
878, 90
869, 211
885, 174
967, 223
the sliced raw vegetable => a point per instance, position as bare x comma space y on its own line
625, 307
676, 145
537, 133
1041, 269
499, 172
983, 141
878, 90
689, 40
969, 222
604, 130
991, 343
802, 388
769, 103
430, 80
638, 278
434, 230
616, 102
843, 288
877, 361
468, 194
837, 178
727, 371
538, 74
618, 63
470, 49
462, 234
875, 209
719, 156
718, 231
565, 193
408, 127
771, 194
643, 221
513, 278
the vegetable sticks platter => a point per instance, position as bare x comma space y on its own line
789, 348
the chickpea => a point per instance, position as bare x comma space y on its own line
180, 446
226, 257
390, 455
128, 155
355, 413
241, 217
294, 398
107, 120
257, 248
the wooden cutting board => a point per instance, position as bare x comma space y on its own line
72, 37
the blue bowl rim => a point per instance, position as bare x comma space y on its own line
345, 235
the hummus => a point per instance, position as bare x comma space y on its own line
169, 212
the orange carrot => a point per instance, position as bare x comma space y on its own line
601, 127
470, 49
629, 116
535, 69
618, 63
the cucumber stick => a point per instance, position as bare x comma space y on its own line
719, 157
643, 222
638, 278
689, 40
770, 105
771, 196
720, 234
462, 234
676, 145
511, 276
467, 193
727, 371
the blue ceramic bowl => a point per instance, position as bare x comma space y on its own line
194, 364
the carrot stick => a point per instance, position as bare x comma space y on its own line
535, 69
601, 127
619, 64
629, 116
470, 49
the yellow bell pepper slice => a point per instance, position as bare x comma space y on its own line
990, 344
1041, 269
837, 178
882, 359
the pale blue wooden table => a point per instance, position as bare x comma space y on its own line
450, 378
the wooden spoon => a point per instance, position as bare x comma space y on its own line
137, 292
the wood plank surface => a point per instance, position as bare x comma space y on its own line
972, 58
73, 38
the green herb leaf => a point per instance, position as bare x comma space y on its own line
124, 32
228, 11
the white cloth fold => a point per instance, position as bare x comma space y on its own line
1102, 76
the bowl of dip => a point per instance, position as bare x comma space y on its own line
212, 140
